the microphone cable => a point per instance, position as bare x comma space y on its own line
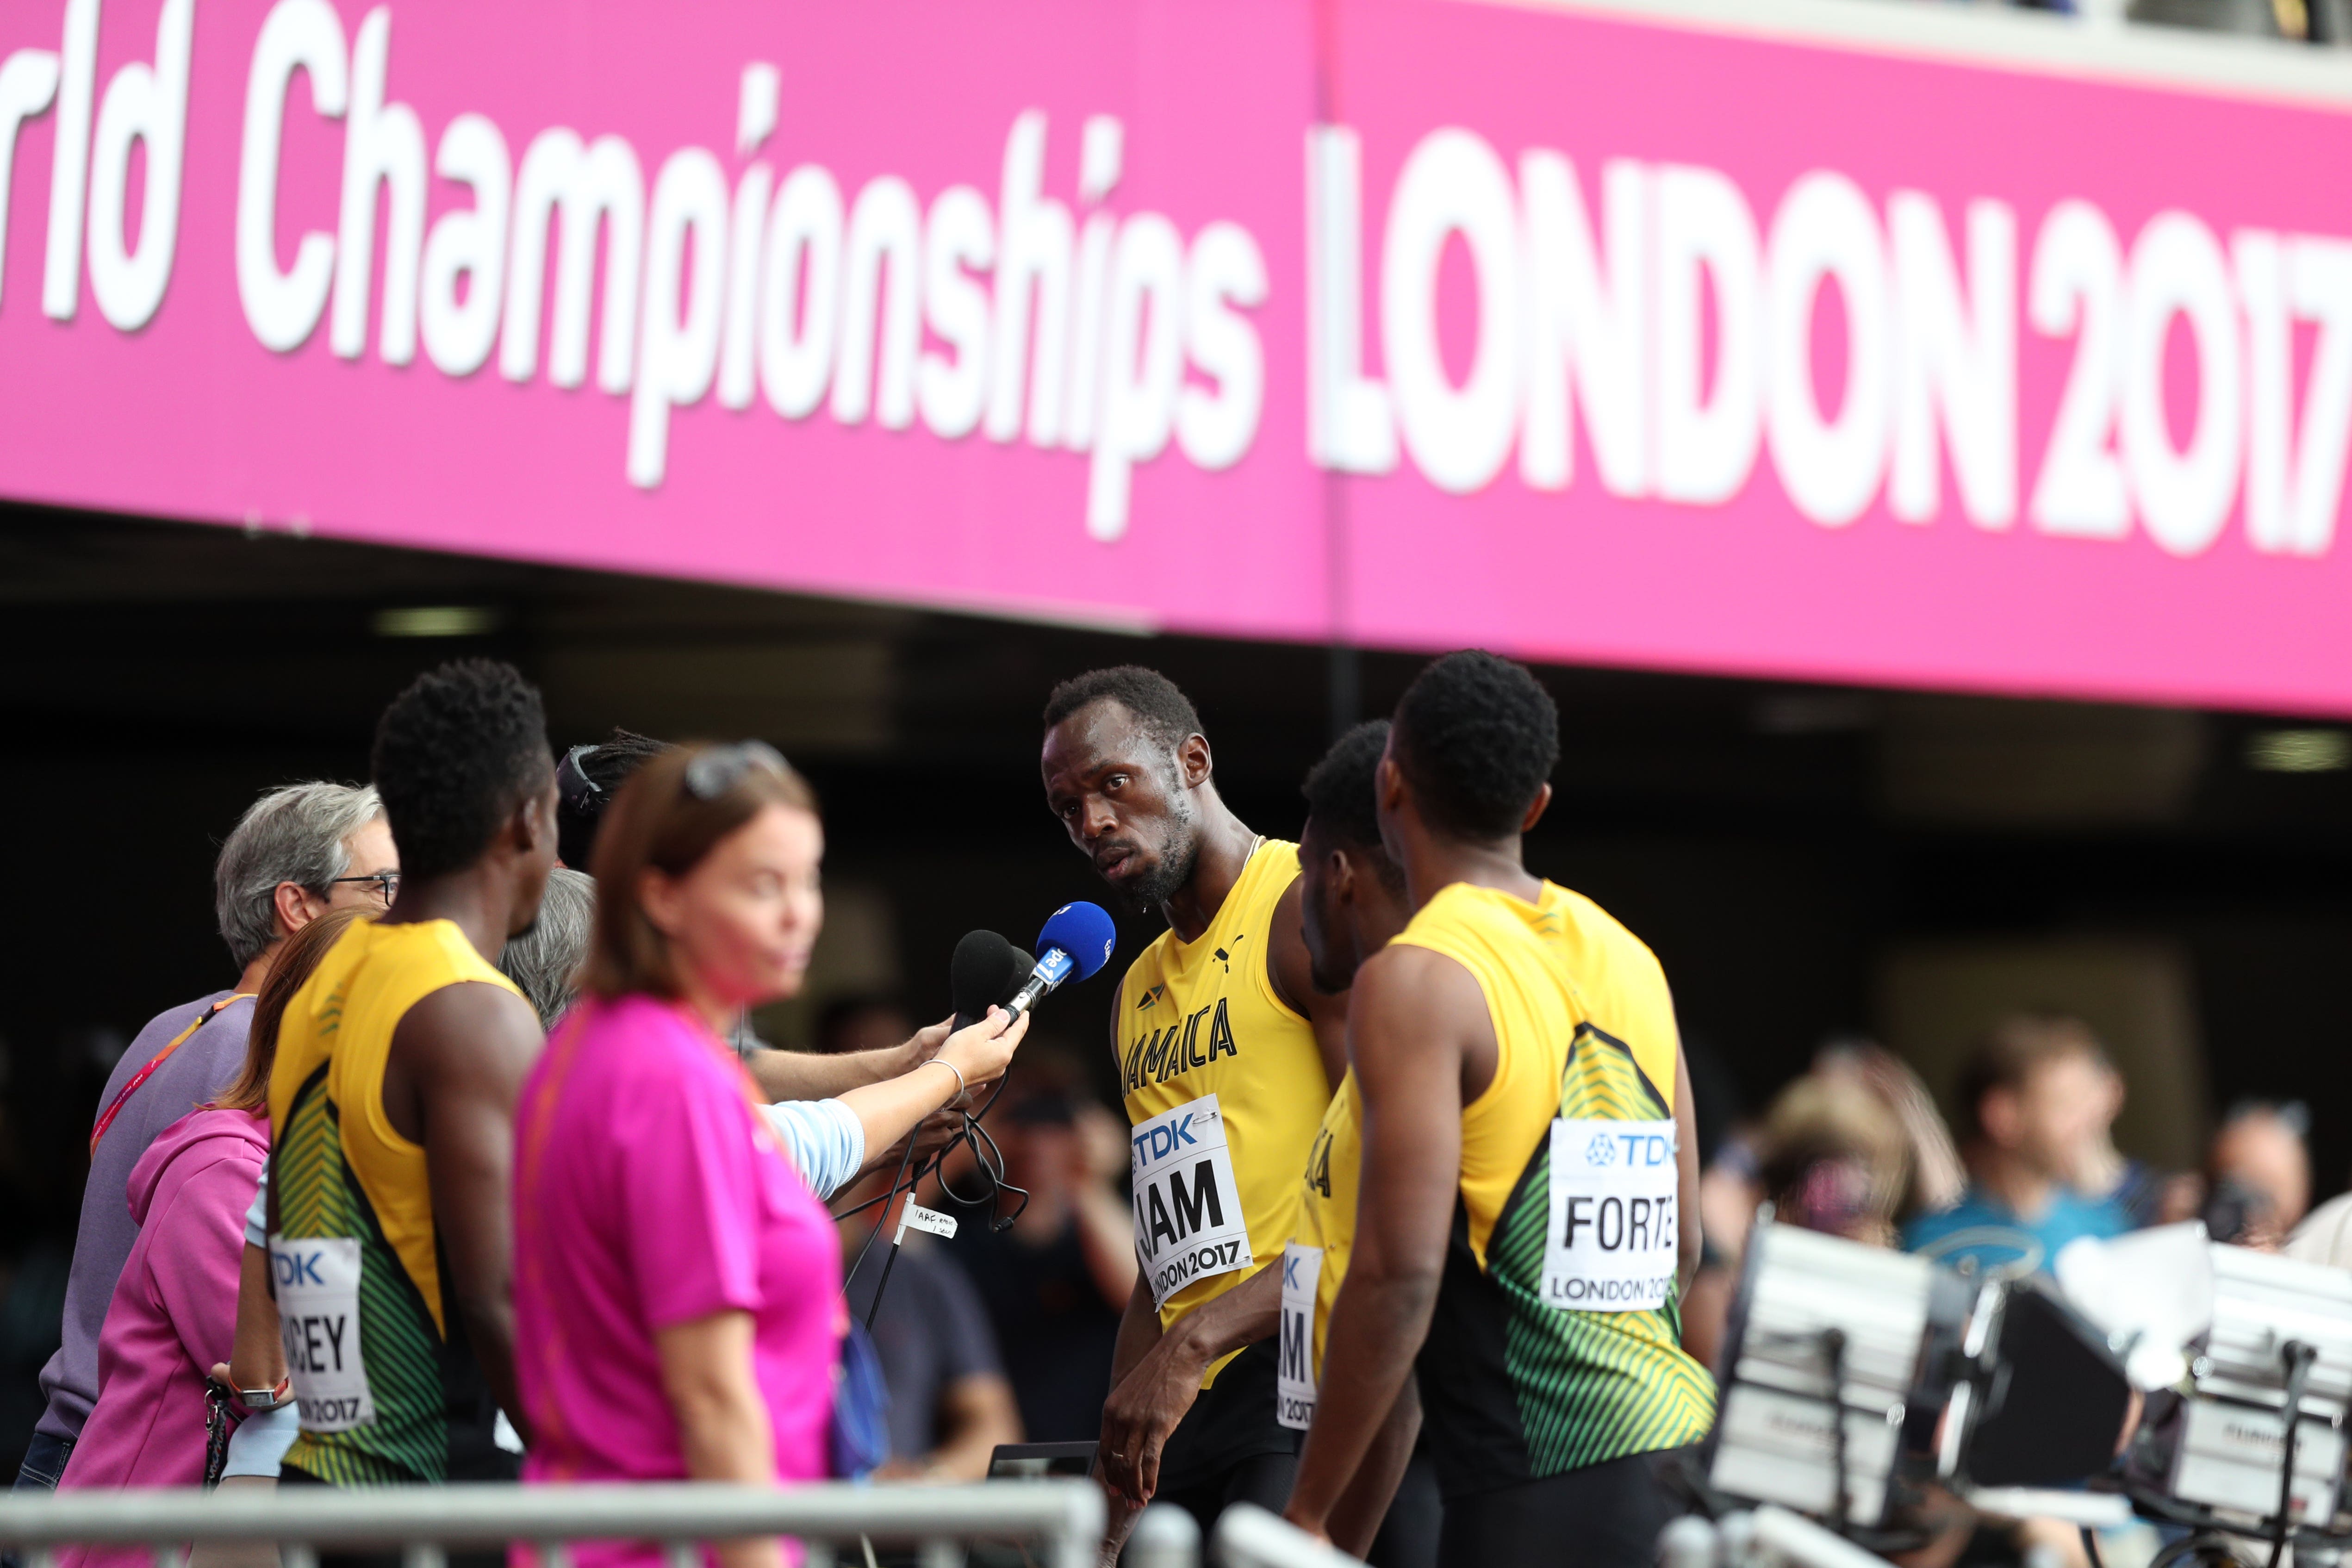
986, 1157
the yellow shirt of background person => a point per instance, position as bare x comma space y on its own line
1224, 1083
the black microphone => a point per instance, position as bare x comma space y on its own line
987, 970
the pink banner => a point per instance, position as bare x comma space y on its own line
1586, 336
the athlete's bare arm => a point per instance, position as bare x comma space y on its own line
1291, 967
1356, 1517
1688, 1237
1146, 1404
1139, 1331
450, 1082
1423, 1046
806, 1075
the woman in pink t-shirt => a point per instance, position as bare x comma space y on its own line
677, 1289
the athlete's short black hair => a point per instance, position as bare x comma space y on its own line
1341, 796
1478, 737
454, 755
1166, 713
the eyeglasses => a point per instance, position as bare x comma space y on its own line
386, 883
714, 771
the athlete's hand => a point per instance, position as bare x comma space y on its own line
1143, 1410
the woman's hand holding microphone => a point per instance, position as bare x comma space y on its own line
979, 1054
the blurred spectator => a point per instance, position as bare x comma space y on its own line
1836, 1159
1056, 1281
545, 960
174, 1314
297, 852
862, 1021
2029, 1098
1934, 1177
2258, 1174
949, 1403
1833, 1159
2104, 1172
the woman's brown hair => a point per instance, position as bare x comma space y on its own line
673, 811
289, 972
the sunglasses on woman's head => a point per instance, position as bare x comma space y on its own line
714, 771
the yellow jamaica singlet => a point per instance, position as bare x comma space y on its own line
1316, 1258
1224, 1083
388, 1387
1555, 1344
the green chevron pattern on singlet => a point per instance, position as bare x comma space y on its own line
400, 1346
1590, 1387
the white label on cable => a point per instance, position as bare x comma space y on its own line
915, 1217
1188, 1212
317, 1283
1614, 1243
1294, 1382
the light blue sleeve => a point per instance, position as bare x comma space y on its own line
822, 1139
260, 1441
257, 1218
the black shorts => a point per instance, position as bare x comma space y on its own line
1608, 1515
1229, 1425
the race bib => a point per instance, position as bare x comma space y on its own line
1294, 1386
319, 1318
1188, 1210
1614, 1243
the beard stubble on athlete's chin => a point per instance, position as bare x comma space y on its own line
1172, 869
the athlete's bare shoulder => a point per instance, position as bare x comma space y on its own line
1413, 1008
472, 1039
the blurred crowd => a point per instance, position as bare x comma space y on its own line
1856, 1148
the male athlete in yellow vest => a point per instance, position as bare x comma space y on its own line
1352, 903
1227, 1054
1528, 1214
391, 1106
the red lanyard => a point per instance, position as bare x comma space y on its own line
106, 1118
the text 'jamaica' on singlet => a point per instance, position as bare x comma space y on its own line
1555, 1343
1223, 1084
387, 1388
1316, 1258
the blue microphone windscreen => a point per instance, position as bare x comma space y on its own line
1084, 932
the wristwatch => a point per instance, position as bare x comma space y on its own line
258, 1400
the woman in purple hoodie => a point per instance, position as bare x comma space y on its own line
174, 1314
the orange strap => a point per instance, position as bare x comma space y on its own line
114, 1109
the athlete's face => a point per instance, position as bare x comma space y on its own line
1124, 799
1325, 879
742, 922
